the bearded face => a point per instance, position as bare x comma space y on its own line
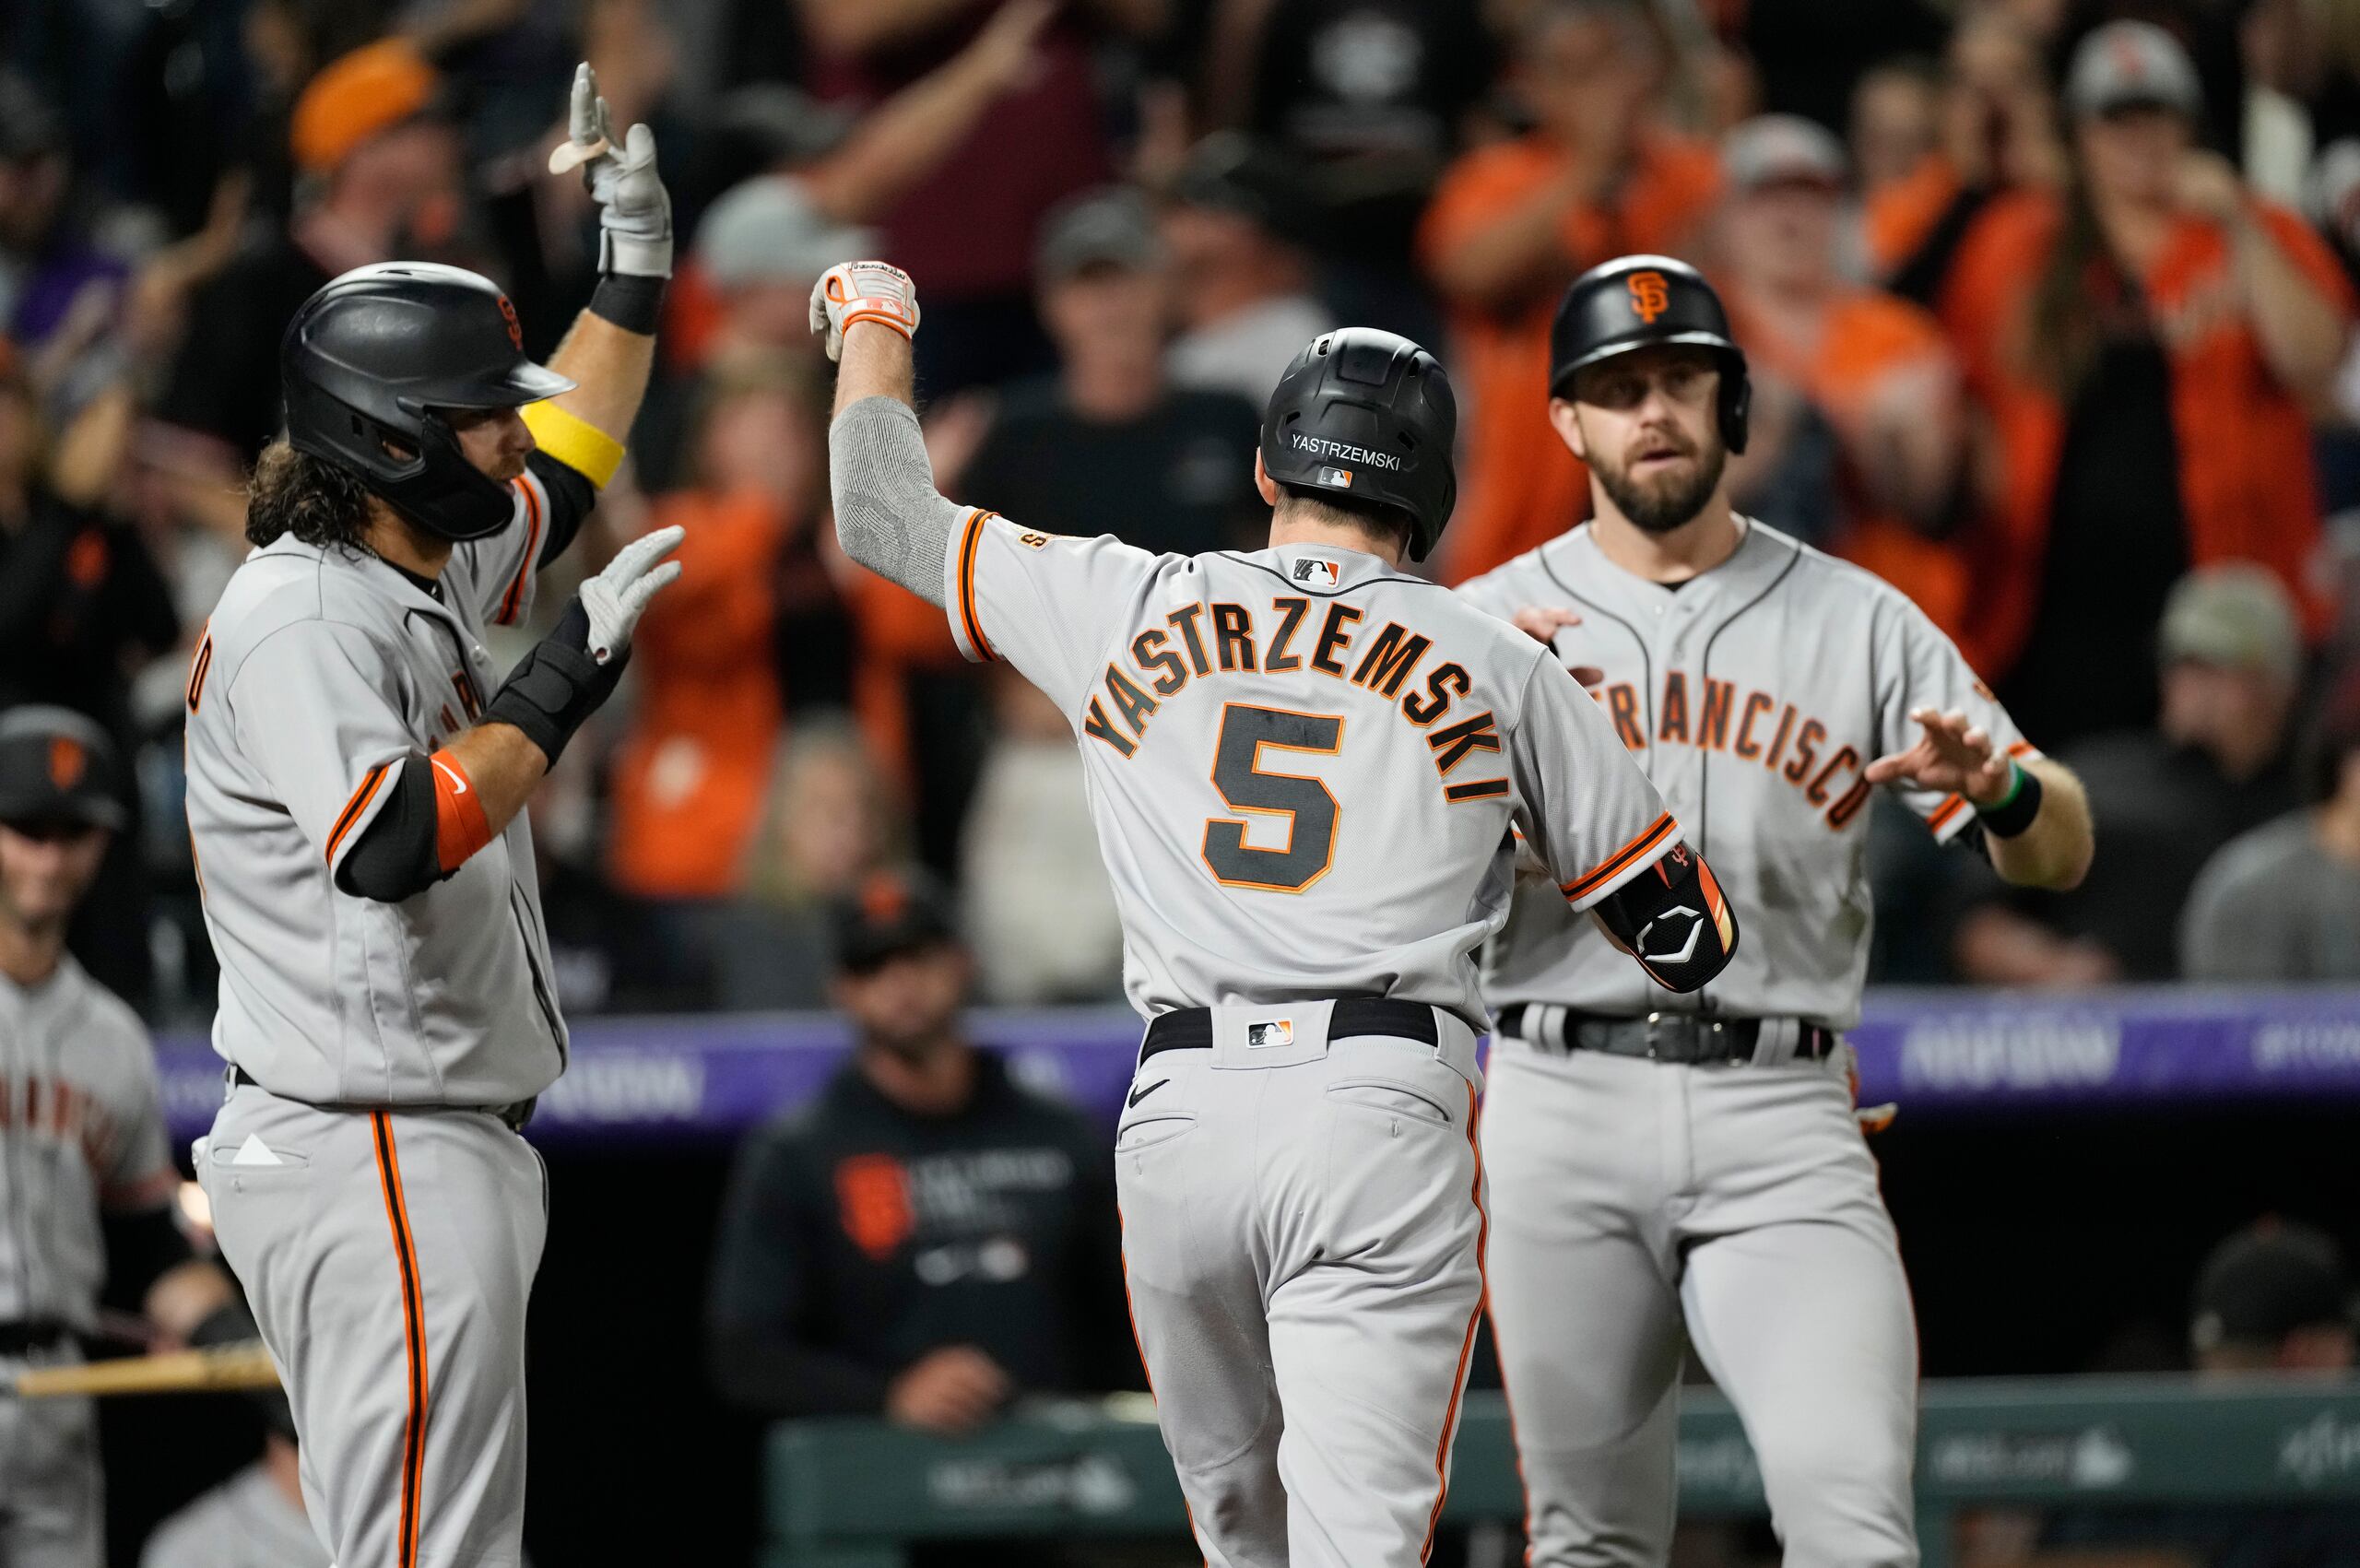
1649, 426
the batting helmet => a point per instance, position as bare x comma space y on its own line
1369, 415
1633, 301
56, 765
370, 358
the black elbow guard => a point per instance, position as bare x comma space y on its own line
1674, 918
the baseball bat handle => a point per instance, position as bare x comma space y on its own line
218, 1367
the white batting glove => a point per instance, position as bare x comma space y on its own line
617, 597
862, 290
635, 210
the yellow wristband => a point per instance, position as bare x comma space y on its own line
574, 441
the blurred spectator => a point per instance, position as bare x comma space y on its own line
1812, 54
829, 821
2282, 903
1514, 222
1896, 125
1108, 446
59, 293
2281, 52
1243, 287
256, 1519
1858, 426
1367, 100
81, 603
1039, 909
378, 176
968, 227
2274, 1297
2145, 347
929, 1238
1997, 131
2165, 799
690, 778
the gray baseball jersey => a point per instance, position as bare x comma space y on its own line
246, 1522
81, 1134
319, 672
1754, 695
1303, 766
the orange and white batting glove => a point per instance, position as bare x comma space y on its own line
862, 290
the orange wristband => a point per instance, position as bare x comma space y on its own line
460, 826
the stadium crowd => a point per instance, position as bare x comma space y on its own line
2050, 325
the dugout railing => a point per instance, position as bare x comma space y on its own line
844, 1493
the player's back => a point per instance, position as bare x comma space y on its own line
1303, 764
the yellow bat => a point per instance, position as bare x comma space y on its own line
220, 1367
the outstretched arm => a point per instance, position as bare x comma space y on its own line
2035, 817
889, 516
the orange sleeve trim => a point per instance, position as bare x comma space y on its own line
199, 667
1939, 818
389, 1176
2022, 749
514, 600
353, 807
460, 826
968, 620
1629, 854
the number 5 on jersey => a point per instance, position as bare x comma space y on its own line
1304, 801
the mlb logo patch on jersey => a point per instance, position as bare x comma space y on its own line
1271, 1032
1319, 574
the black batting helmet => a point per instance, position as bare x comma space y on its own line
1368, 415
370, 358
1633, 301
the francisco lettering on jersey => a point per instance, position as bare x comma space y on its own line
1753, 726
1210, 639
58, 1112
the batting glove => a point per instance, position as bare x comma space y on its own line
635, 210
562, 679
862, 290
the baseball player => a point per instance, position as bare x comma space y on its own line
1306, 770
85, 1181
1669, 1163
357, 776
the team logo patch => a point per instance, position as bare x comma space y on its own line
1031, 540
516, 331
1651, 296
1319, 574
873, 1201
1270, 1034
1341, 479
68, 761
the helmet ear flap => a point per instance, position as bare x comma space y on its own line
1735, 403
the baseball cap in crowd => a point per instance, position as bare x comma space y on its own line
782, 124
890, 914
769, 230
1231, 172
1109, 228
358, 96
57, 766
2266, 1281
1783, 149
2235, 615
2132, 65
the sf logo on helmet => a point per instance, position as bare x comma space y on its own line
67, 760
1651, 296
516, 332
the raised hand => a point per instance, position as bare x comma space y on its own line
635, 210
856, 291
1953, 755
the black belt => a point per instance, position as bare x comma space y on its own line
29, 1334
515, 1115
1191, 1029
1663, 1037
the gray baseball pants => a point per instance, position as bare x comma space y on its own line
1302, 1236
52, 1500
389, 1256
1635, 1200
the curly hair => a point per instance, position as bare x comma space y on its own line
316, 500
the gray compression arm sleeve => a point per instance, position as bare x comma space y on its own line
888, 516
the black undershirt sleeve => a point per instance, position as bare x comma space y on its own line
572, 499
395, 858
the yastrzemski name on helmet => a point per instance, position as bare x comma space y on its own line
1369, 418
371, 361
1634, 301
